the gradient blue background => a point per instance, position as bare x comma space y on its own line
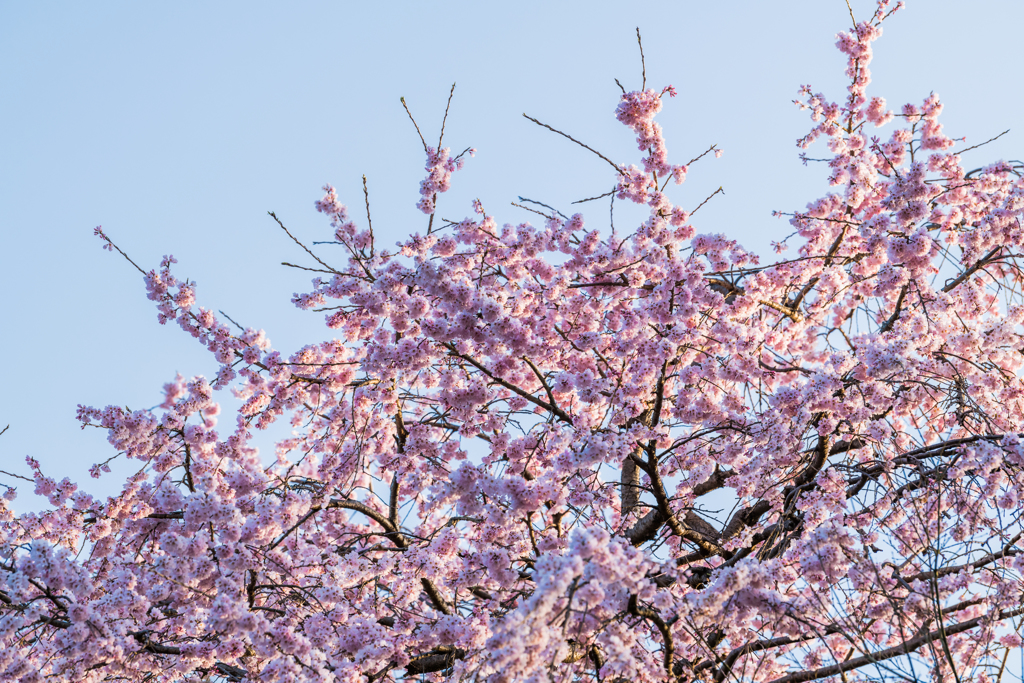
177, 126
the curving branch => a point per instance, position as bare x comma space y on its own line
903, 648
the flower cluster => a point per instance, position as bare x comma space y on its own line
440, 166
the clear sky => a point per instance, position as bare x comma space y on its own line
177, 126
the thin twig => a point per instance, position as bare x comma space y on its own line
543, 382
590, 199
643, 64
620, 86
463, 153
984, 143
611, 212
231, 321
402, 99
306, 249
445, 119
16, 476
878, 149
369, 223
539, 213
524, 199
889, 13
707, 200
99, 231
566, 135
312, 270
702, 154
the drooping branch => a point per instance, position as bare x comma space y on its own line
903, 648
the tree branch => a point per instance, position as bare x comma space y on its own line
554, 410
903, 648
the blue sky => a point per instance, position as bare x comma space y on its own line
177, 126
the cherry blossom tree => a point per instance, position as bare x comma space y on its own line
506, 466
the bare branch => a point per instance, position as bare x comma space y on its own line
585, 146
425, 149
304, 248
643, 63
